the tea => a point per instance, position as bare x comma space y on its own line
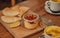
56, 0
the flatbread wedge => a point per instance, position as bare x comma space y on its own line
9, 19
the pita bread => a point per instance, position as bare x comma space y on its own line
9, 19
14, 24
15, 7
10, 12
23, 10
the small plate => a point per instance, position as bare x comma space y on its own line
48, 10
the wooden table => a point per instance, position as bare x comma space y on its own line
38, 7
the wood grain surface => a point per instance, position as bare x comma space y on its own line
38, 6
21, 31
4, 33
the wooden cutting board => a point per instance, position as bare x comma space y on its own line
21, 32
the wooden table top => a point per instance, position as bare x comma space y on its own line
38, 7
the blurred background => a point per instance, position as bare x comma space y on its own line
7, 3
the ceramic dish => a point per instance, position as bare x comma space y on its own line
48, 10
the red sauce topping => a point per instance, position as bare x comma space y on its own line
30, 17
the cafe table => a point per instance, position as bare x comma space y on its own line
38, 7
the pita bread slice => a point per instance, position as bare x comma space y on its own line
15, 7
23, 10
10, 12
9, 19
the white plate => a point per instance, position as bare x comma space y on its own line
48, 10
